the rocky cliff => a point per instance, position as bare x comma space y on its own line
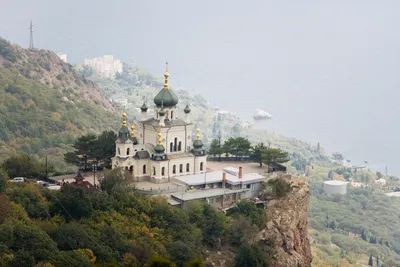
285, 230
287, 223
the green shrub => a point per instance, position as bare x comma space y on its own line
280, 187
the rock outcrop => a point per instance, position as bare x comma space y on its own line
285, 229
287, 223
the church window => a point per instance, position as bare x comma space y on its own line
201, 166
172, 114
127, 151
171, 147
119, 151
163, 171
144, 169
181, 168
187, 167
154, 170
175, 143
174, 169
179, 146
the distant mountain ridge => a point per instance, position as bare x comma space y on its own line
45, 104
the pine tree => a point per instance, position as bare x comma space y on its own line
370, 261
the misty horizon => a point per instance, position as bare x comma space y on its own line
327, 72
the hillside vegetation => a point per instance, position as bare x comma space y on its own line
45, 104
117, 227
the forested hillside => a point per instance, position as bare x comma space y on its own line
45, 104
118, 227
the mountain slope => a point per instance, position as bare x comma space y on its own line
45, 104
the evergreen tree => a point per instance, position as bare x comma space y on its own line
370, 261
215, 148
238, 147
258, 153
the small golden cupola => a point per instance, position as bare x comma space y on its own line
159, 150
198, 144
123, 133
133, 137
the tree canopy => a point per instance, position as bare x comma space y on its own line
262, 154
91, 149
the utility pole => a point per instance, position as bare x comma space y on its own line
46, 167
94, 173
31, 37
219, 145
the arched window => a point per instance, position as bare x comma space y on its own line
174, 169
187, 167
181, 168
201, 166
175, 143
179, 146
127, 151
119, 152
163, 171
131, 169
171, 147
172, 114
154, 170
144, 169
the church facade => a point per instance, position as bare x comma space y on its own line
166, 148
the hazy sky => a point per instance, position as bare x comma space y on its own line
327, 71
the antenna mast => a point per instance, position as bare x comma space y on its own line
31, 37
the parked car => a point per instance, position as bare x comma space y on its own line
54, 187
18, 180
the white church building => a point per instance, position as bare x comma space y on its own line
166, 147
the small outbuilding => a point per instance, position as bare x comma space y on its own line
335, 187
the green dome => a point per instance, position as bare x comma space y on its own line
187, 109
159, 149
144, 107
166, 97
161, 112
197, 144
123, 134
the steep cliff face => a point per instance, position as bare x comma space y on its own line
285, 229
287, 223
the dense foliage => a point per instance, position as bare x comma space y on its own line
364, 222
91, 149
39, 113
239, 147
115, 226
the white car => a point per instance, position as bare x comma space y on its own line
18, 180
54, 187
